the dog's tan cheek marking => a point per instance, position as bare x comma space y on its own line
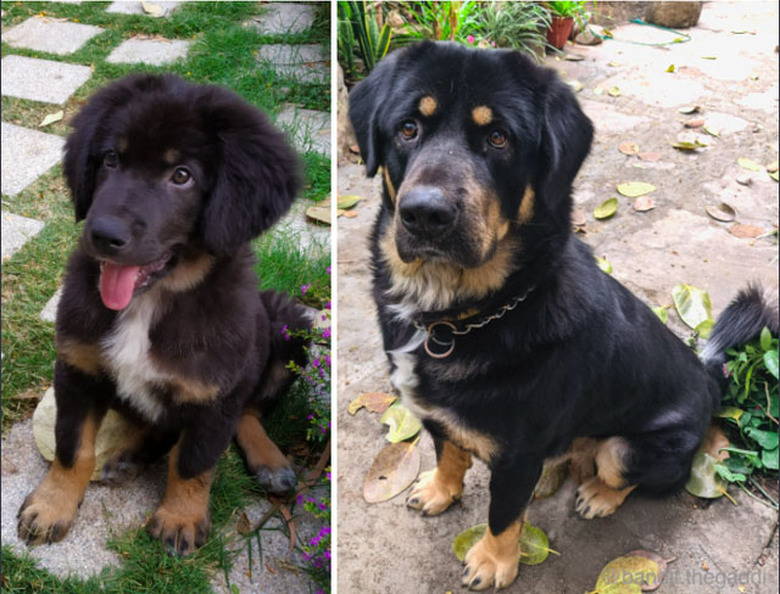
610, 461
84, 357
482, 115
526, 212
428, 106
389, 184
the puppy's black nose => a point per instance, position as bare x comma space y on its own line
426, 212
109, 235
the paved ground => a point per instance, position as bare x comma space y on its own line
732, 75
28, 154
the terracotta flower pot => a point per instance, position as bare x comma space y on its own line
559, 31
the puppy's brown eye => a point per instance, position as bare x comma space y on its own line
497, 139
409, 130
181, 176
111, 159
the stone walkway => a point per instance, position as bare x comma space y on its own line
27, 155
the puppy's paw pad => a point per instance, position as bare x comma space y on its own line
430, 495
181, 533
596, 500
45, 519
277, 480
485, 568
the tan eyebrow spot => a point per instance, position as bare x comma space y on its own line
482, 115
428, 106
122, 144
172, 156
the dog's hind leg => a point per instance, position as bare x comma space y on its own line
143, 445
264, 460
601, 493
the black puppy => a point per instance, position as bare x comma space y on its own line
504, 336
160, 315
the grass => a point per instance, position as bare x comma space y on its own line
223, 52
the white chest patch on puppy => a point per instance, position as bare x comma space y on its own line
404, 377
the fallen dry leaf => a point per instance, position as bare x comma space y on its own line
634, 189
376, 402
650, 157
606, 209
745, 231
578, 217
644, 203
349, 214
393, 470
629, 148
689, 109
721, 212
697, 123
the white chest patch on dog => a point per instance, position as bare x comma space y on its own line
127, 354
404, 378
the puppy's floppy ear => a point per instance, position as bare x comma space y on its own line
257, 174
365, 101
82, 149
566, 138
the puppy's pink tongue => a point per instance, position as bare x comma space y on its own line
117, 284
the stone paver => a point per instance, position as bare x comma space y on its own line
45, 35
49, 312
16, 231
304, 63
309, 129
149, 51
27, 154
41, 80
125, 7
281, 18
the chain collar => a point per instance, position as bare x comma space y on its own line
440, 339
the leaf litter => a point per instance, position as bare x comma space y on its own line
534, 544
394, 469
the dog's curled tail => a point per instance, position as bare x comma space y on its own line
742, 321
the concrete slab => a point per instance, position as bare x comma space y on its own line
125, 7
305, 63
16, 231
149, 51
47, 35
311, 238
281, 18
49, 312
309, 129
41, 80
26, 154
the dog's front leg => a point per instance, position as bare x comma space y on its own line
494, 559
48, 512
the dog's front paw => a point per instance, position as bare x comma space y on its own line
46, 516
491, 561
120, 469
277, 480
182, 531
596, 499
431, 495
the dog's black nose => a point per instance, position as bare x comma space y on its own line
109, 235
425, 211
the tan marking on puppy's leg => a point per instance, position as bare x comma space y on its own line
494, 559
183, 521
610, 462
595, 499
263, 458
582, 465
48, 512
437, 489
389, 185
482, 115
428, 106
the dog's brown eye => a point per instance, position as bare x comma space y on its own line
181, 176
497, 139
111, 159
409, 130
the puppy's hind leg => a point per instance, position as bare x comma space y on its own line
264, 460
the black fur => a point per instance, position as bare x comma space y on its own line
580, 356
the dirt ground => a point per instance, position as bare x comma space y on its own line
729, 68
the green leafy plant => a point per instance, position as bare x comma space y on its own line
564, 8
440, 21
359, 30
518, 25
750, 409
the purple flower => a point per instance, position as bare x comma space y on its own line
305, 288
470, 39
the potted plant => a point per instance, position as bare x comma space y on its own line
563, 15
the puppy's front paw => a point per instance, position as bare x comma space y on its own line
120, 469
491, 561
431, 495
595, 499
46, 515
277, 480
181, 531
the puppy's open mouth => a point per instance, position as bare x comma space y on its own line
118, 283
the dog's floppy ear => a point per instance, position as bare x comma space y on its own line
566, 138
257, 174
364, 103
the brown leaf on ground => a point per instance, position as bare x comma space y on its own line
629, 148
243, 525
376, 402
644, 203
714, 442
393, 470
721, 212
745, 231
697, 123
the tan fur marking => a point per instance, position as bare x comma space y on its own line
122, 144
526, 207
437, 489
172, 156
494, 559
84, 357
192, 391
48, 512
188, 274
389, 184
256, 445
582, 463
428, 106
183, 516
482, 115
610, 461
595, 499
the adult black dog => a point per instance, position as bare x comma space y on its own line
504, 336
160, 314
